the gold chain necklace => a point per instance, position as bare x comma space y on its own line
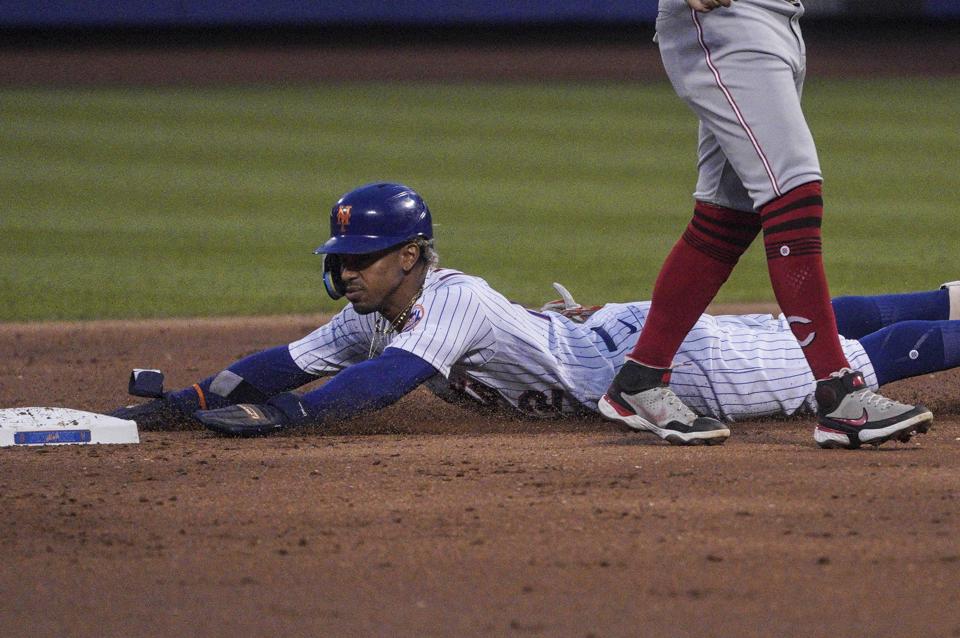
382, 326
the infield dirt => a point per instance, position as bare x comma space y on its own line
425, 520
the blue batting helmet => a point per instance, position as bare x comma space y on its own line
368, 219
374, 217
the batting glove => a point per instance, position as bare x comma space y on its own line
248, 419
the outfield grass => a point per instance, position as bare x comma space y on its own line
185, 202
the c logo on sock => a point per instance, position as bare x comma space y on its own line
806, 341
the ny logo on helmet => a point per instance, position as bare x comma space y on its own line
343, 217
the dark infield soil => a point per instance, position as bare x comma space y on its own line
425, 520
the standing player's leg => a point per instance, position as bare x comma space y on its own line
693, 272
742, 71
746, 91
722, 228
724, 222
697, 266
765, 137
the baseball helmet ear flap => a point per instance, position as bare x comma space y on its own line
331, 276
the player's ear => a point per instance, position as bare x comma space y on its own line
409, 256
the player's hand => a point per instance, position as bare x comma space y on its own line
703, 6
245, 419
248, 419
152, 415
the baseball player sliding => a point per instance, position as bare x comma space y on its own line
409, 322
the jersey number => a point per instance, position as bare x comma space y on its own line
607, 339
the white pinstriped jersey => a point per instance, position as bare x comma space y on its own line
490, 351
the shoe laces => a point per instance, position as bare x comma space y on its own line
672, 400
867, 397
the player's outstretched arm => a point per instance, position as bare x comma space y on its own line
363, 387
253, 379
703, 6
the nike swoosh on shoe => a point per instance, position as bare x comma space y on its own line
858, 422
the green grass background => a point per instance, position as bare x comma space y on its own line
147, 202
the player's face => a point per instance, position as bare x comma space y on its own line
372, 280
